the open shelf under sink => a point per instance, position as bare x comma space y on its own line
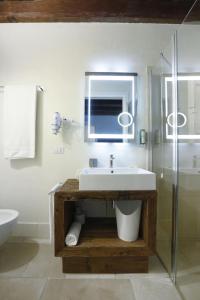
99, 238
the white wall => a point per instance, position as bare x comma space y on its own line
56, 57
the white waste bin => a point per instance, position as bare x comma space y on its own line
128, 219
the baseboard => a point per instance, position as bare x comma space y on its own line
31, 230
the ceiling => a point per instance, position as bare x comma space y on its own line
136, 11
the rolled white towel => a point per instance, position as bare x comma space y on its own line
73, 234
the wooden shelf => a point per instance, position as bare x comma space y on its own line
99, 238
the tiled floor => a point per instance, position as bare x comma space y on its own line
188, 264
30, 271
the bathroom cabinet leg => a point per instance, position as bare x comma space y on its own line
63, 218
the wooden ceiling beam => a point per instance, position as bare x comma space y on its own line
136, 11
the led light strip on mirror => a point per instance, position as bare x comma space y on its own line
112, 77
169, 116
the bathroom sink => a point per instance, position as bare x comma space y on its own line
118, 179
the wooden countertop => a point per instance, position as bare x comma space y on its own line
70, 192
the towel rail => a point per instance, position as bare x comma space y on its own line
39, 88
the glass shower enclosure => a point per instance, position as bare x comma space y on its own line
164, 152
188, 62
175, 96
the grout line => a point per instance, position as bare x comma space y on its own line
133, 289
43, 289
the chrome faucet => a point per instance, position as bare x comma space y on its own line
111, 160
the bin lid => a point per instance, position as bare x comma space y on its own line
128, 207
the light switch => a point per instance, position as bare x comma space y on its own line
59, 150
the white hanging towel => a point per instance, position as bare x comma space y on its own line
19, 121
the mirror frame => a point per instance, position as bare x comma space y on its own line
123, 137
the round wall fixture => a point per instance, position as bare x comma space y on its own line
179, 114
125, 119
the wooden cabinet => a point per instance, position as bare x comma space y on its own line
99, 249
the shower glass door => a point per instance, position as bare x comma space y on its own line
175, 94
164, 152
188, 253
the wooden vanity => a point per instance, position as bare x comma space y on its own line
99, 249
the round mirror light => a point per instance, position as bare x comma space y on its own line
179, 116
125, 119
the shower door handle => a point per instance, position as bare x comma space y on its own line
174, 229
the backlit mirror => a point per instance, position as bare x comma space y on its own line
110, 107
188, 108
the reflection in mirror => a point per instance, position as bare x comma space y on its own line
189, 107
110, 107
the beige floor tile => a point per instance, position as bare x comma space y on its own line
15, 257
31, 264
188, 275
94, 289
154, 289
90, 276
44, 264
188, 258
21, 288
189, 286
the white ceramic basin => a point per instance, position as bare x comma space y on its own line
117, 179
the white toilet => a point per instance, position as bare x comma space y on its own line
128, 219
8, 219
